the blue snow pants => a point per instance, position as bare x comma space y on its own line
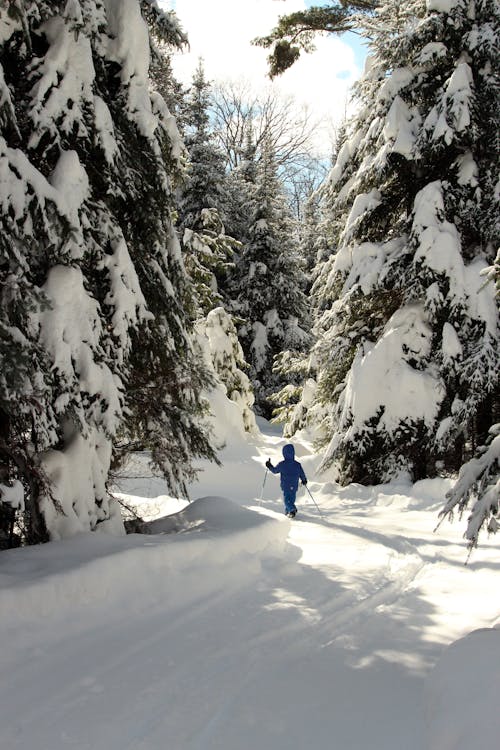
289, 495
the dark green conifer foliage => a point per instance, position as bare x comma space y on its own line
88, 160
414, 209
238, 198
206, 246
268, 284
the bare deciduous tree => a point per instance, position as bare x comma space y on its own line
273, 118
269, 117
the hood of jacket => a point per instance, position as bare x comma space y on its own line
288, 452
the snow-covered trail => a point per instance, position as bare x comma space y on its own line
244, 631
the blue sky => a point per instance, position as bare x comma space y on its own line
353, 40
357, 44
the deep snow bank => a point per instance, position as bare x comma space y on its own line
138, 570
463, 693
215, 515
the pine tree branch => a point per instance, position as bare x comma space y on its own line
295, 32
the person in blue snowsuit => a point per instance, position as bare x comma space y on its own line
290, 472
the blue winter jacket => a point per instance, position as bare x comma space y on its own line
289, 469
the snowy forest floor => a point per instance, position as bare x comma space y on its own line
246, 630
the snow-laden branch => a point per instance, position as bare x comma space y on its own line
479, 478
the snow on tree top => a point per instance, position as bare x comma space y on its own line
441, 6
129, 46
67, 75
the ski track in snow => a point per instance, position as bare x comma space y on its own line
388, 593
326, 645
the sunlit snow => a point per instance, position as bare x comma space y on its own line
230, 627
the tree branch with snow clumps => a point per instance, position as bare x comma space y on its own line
479, 478
91, 276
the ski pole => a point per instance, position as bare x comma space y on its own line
315, 503
263, 485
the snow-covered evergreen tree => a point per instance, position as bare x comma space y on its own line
205, 187
206, 246
207, 252
479, 482
217, 338
268, 285
163, 80
313, 238
408, 340
297, 406
240, 189
93, 339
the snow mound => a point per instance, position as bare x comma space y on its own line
213, 514
463, 694
222, 545
430, 494
425, 495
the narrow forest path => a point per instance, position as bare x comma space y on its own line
245, 630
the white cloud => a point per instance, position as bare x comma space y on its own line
221, 31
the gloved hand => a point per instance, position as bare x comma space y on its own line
269, 464
304, 482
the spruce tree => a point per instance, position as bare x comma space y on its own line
207, 252
218, 339
238, 199
478, 482
206, 246
408, 337
268, 285
93, 331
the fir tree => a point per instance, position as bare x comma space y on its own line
268, 285
217, 337
163, 81
313, 240
296, 403
408, 340
93, 336
205, 187
206, 246
478, 481
207, 251
240, 183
